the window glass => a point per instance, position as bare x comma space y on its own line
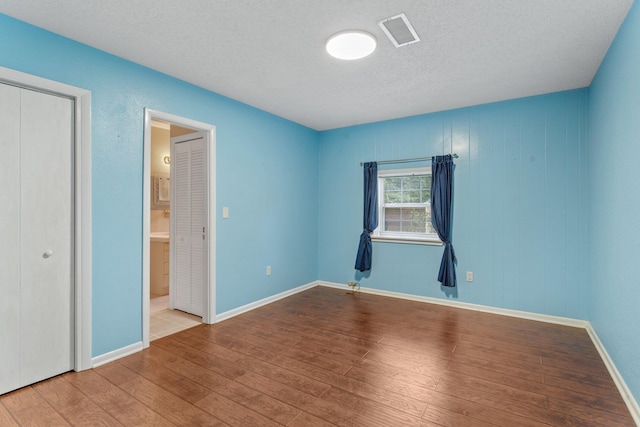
405, 205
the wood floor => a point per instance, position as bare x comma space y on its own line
324, 357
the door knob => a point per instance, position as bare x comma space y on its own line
47, 254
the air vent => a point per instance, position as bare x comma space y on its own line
399, 30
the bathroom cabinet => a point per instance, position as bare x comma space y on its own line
159, 262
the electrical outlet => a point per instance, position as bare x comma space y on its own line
469, 276
268, 270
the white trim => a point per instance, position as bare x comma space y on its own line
411, 238
82, 160
425, 170
268, 300
83, 232
210, 309
626, 394
139, 346
146, 229
117, 354
210, 290
383, 239
468, 306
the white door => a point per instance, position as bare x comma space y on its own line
10, 241
36, 225
189, 210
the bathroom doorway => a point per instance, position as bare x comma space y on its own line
161, 314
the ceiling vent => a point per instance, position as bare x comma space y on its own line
399, 30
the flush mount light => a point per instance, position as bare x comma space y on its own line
351, 44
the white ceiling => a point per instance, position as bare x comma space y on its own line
270, 53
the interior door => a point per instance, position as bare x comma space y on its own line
36, 253
10, 241
189, 234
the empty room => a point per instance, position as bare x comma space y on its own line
317, 213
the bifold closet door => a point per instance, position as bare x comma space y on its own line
36, 252
10, 240
188, 167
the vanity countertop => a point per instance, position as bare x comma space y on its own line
159, 236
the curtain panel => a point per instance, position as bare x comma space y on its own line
370, 217
442, 214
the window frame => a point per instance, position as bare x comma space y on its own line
379, 235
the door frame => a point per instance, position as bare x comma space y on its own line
209, 302
82, 202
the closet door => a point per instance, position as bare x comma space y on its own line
189, 269
46, 247
10, 240
36, 257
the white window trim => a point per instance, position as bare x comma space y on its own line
389, 237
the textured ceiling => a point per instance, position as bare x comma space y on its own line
270, 53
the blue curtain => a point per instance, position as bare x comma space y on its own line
441, 214
370, 220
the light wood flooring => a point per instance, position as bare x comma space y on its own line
324, 357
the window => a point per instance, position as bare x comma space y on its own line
404, 206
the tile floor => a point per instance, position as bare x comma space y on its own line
165, 322
158, 303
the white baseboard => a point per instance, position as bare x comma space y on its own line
468, 306
626, 394
116, 354
252, 306
138, 346
628, 398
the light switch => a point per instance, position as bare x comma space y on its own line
225, 212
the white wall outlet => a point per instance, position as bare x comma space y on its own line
268, 272
225, 212
469, 276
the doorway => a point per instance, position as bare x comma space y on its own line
160, 239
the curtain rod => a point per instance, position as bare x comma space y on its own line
413, 159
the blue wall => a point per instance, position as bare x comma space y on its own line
614, 228
519, 203
267, 176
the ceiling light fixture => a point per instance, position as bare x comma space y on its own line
351, 44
